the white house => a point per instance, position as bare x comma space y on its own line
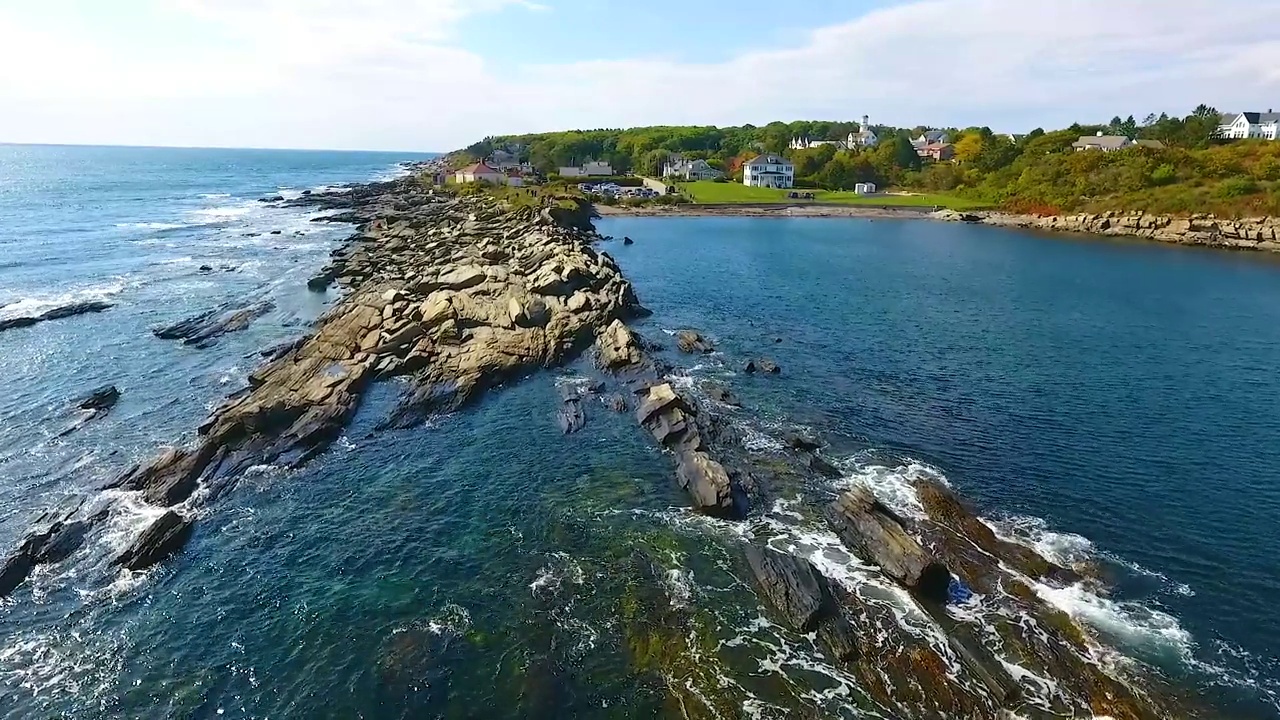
931, 137
865, 188
804, 143
1256, 125
480, 172
865, 137
690, 169
772, 171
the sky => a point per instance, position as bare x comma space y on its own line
435, 75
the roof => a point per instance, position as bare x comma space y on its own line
937, 146
479, 169
933, 136
1254, 118
1102, 141
768, 160
1155, 144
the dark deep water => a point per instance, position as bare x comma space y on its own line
1110, 401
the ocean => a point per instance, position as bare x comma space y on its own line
1111, 403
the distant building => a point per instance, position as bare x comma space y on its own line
590, 168
503, 160
771, 171
804, 143
692, 170
865, 137
1256, 125
938, 152
1153, 144
479, 172
1105, 143
931, 137
865, 188
515, 178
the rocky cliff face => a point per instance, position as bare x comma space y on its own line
1262, 233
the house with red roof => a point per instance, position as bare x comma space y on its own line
480, 172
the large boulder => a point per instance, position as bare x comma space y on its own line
570, 416
876, 534
100, 400
162, 538
692, 341
462, 278
792, 585
617, 347
708, 484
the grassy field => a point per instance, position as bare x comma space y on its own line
714, 192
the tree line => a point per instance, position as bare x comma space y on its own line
1038, 170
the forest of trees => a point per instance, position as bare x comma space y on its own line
1037, 171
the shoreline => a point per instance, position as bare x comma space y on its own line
1260, 234
766, 210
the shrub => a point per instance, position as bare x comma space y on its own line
1268, 168
1164, 175
1235, 188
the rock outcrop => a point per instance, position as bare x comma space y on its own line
203, 330
877, 534
57, 313
54, 540
162, 538
1259, 233
454, 294
692, 341
101, 400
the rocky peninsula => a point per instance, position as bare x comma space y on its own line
456, 294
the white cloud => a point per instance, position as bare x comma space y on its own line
389, 73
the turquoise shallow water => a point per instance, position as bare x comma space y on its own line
1111, 402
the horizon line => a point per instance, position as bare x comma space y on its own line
4, 143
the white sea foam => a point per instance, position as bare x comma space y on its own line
1128, 623
215, 196
223, 213
561, 569
152, 226
453, 620
1063, 548
893, 485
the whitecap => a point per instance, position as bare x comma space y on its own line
151, 226
1064, 548
1136, 626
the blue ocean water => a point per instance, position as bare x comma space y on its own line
1108, 402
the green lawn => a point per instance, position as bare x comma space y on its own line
714, 192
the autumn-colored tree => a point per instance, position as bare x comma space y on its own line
968, 147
